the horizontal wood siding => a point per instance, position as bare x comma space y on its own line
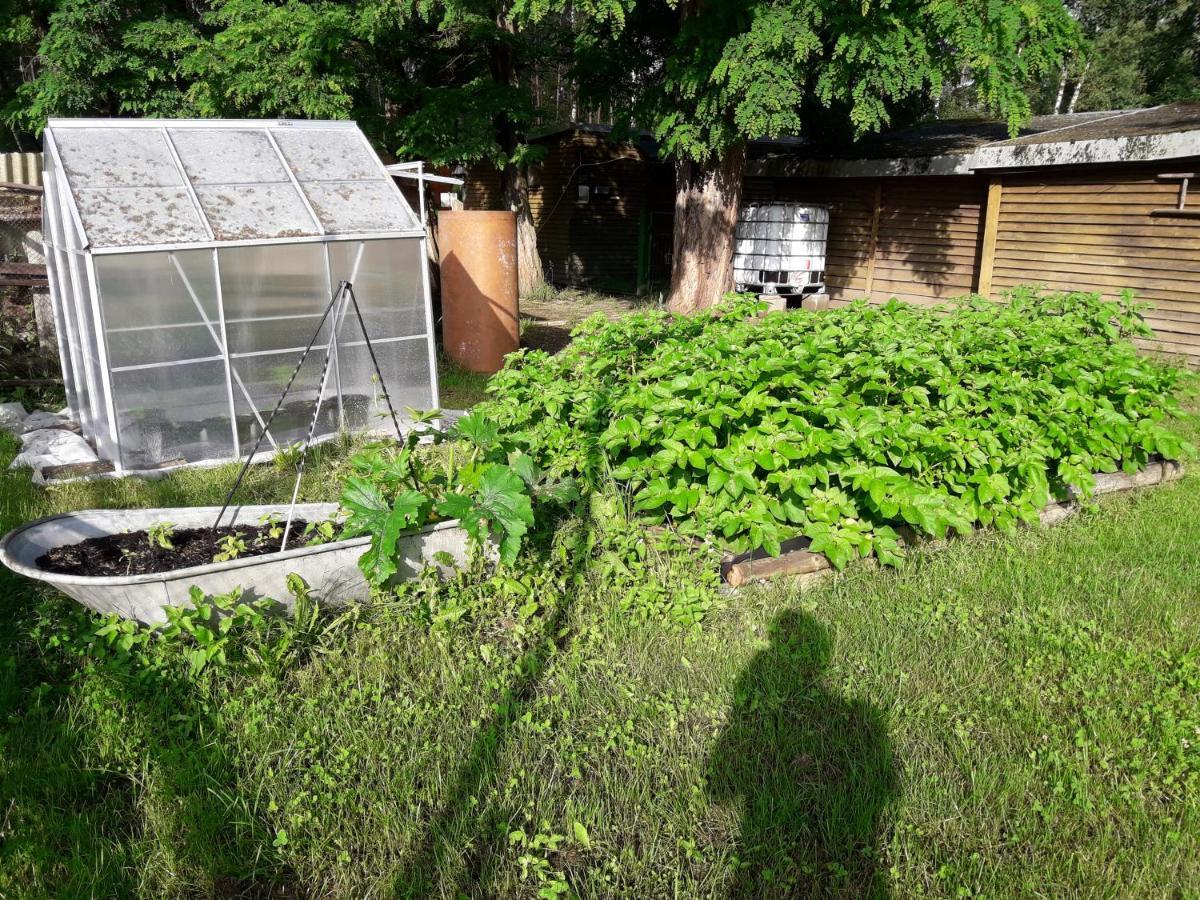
929, 233
482, 188
1092, 230
927, 244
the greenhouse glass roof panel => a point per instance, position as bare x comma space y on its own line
139, 183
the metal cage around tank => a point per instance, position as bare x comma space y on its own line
190, 263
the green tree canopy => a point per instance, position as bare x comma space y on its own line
766, 69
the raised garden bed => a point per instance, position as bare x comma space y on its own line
330, 570
797, 561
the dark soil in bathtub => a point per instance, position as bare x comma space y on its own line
134, 553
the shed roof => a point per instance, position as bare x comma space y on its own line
961, 147
145, 182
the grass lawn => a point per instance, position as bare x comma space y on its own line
1006, 717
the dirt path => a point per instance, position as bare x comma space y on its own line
547, 324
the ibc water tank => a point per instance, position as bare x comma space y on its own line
780, 247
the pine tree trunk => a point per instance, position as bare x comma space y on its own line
529, 259
515, 177
707, 200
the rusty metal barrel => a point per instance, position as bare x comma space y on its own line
478, 251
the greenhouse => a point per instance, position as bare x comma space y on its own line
191, 262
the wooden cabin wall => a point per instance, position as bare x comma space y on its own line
914, 238
927, 245
482, 187
592, 243
851, 203
1094, 229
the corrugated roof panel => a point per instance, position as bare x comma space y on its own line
321, 154
356, 207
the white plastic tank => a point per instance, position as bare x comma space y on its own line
780, 248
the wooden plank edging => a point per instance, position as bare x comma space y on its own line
797, 560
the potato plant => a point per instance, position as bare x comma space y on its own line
841, 425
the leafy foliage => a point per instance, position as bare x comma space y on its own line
843, 425
394, 490
742, 71
160, 534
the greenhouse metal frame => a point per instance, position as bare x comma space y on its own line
190, 262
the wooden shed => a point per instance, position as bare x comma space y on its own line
1090, 201
603, 208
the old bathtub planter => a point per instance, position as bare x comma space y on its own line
330, 570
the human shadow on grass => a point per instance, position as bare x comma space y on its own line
809, 771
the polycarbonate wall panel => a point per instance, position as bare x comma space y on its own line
272, 295
163, 328
70, 358
387, 285
176, 412
274, 299
265, 377
83, 310
405, 367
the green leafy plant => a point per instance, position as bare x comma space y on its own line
316, 533
466, 472
160, 534
847, 425
209, 624
231, 547
273, 525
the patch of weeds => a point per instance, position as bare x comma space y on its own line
1087, 692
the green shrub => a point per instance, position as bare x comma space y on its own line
838, 425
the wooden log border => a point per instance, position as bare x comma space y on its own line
797, 561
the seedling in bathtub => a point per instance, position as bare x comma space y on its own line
232, 546
160, 534
274, 526
316, 533
130, 557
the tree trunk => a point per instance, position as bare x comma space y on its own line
707, 200
1079, 86
529, 260
1062, 87
515, 177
